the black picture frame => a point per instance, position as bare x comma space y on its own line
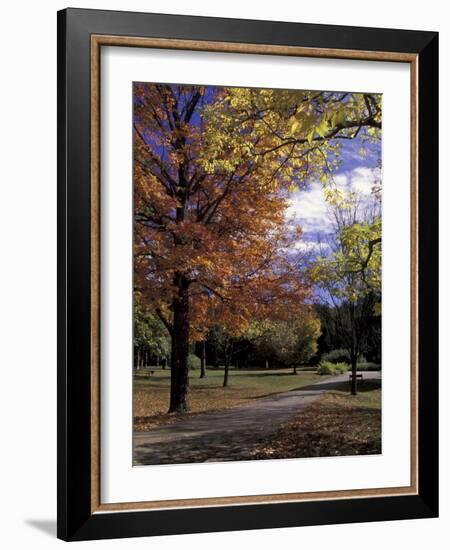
75, 518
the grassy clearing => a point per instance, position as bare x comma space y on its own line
338, 424
151, 391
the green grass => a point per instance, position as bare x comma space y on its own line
151, 391
266, 380
368, 396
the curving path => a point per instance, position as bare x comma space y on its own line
229, 434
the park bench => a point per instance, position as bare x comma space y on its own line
359, 378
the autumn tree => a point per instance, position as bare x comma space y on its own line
213, 168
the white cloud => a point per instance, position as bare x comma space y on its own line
310, 246
309, 208
364, 179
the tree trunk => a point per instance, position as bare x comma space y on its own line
203, 360
294, 369
138, 359
353, 352
354, 368
228, 357
179, 374
225, 374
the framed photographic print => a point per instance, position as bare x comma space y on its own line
247, 274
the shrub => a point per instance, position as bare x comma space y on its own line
194, 362
326, 367
341, 367
341, 356
368, 366
336, 356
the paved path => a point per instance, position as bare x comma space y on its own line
229, 434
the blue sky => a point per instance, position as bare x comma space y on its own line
359, 171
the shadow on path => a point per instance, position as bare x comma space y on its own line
228, 434
370, 381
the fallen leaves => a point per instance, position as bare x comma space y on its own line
336, 425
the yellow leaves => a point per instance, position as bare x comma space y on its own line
354, 268
377, 309
303, 122
295, 125
323, 127
239, 98
338, 117
284, 135
335, 196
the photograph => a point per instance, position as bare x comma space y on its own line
257, 260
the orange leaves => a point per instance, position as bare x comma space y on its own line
221, 226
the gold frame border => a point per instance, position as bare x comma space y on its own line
175, 44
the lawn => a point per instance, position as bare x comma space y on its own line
338, 424
151, 390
